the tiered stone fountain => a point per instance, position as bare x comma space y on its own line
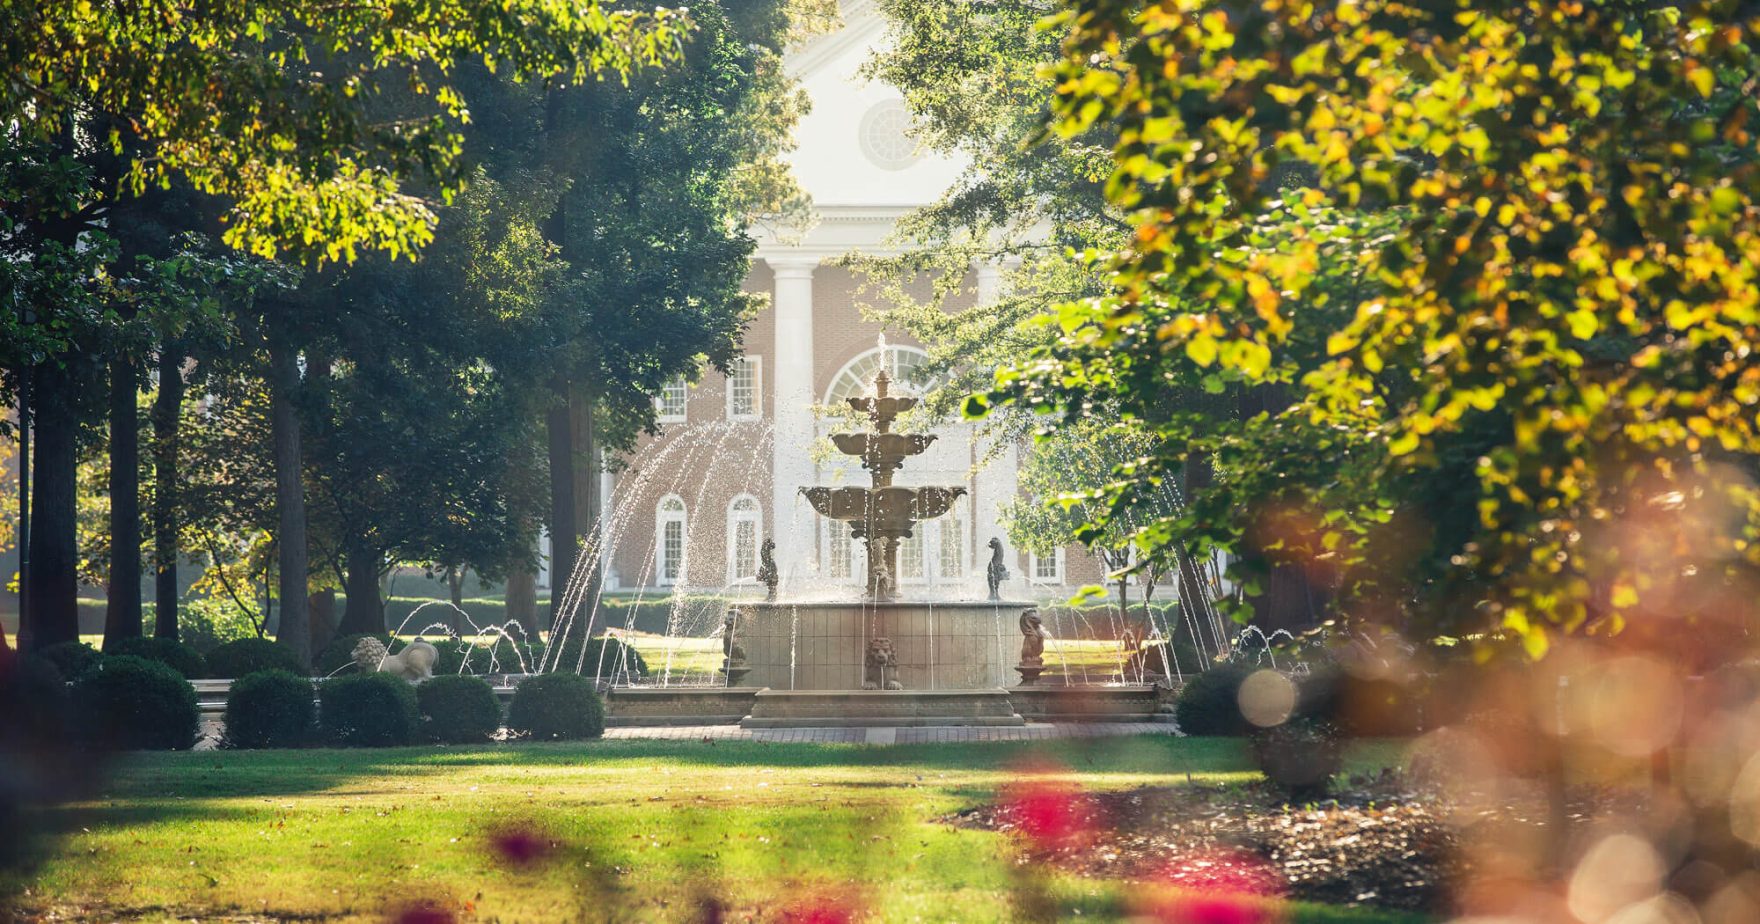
880, 659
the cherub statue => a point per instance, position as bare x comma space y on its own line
997, 572
731, 649
767, 574
1033, 637
415, 663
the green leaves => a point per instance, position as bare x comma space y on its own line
282, 108
1500, 303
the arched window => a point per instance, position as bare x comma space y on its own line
840, 552
951, 529
902, 363
669, 533
745, 523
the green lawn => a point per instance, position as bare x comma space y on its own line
631, 830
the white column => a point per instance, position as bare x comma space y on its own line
791, 466
607, 487
996, 480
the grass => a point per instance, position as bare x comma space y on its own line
626, 830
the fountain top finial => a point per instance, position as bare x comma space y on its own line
881, 380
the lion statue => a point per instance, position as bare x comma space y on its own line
882, 657
415, 663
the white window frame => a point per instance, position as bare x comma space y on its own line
952, 522
735, 517
756, 364
837, 535
926, 573
682, 389
664, 517
1033, 561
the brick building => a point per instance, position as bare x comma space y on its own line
693, 504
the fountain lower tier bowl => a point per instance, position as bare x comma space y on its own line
888, 505
826, 646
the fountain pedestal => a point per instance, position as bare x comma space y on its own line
824, 646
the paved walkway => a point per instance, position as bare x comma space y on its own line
951, 735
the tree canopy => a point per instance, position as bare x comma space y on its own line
1539, 223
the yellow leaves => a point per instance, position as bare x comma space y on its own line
1701, 77
1583, 323
1202, 349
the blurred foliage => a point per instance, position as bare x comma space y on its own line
1491, 269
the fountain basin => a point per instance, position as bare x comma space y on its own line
969, 645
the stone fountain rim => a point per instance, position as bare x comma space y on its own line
881, 605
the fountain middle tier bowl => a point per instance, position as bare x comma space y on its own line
961, 645
892, 447
894, 504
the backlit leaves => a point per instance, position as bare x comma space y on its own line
1561, 324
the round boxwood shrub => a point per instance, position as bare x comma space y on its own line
340, 653
136, 704
551, 707
269, 709
70, 658
179, 656
606, 658
245, 656
35, 698
368, 710
1209, 703
458, 709
1299, 757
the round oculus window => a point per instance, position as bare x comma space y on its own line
886, 135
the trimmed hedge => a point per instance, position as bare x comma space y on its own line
458, 709
368, 710
34, 699
556, 707
1300, 757
269, 709
1209, 704
605, 657
505, 657
70, 658
246, 656
135, 704
179, 656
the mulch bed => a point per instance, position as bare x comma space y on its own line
1375, 845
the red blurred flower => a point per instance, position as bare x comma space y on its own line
822, 909
519, 846
1215, 887
1050, 813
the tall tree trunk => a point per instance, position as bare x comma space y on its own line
53, 616
167, 416
25, 375
122, 606
1194, 592
522, 596
321, 610
362, 612
295, 632
586, 486
563, 525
